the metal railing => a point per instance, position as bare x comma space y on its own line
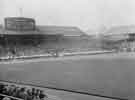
14, 98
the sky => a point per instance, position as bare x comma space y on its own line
85, 14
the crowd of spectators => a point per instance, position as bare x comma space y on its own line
21, 92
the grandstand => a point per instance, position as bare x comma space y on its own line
22, 37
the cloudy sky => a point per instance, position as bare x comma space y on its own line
82, 13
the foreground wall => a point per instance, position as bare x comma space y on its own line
109, 75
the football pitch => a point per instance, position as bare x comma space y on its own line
111, 75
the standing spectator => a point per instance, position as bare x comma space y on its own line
15, 92
29, 94
36, 96
33, 91
22, 94
37, 92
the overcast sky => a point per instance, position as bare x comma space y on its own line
82, 13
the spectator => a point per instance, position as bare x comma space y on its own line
22, 94
33, 91
6, 98
37, 92
29, 94
16, 92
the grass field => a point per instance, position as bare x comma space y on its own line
107, 74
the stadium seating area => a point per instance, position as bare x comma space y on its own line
18, 92
47, 48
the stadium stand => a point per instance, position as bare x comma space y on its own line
21, 37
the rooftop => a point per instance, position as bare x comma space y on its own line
19, 18
48, 30
64, 30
